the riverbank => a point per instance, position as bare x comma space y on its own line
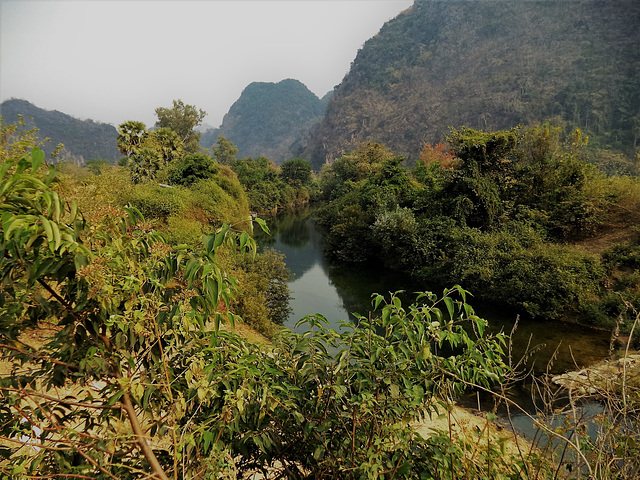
618, 377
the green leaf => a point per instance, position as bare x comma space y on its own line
37, 158
263, 225
377, 300
448, 301
395, 390
481, 323
318, 452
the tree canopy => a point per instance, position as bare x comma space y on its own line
182, 119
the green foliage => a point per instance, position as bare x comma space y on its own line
296, 171
209, 202
266, 189
336, 405
182, 119
488, 219
224, 151
352, 168
115, 293
152, 386
95, 165
145, 164
517, 268
167, 143
397, 233
131, 136
190, 169
264, 300
146, 153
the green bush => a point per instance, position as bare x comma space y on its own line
156, 202
518, 268
187, 170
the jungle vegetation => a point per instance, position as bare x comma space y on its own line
122, 287
513, 215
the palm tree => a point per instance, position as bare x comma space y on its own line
131, 134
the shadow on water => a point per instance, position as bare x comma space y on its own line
337, 291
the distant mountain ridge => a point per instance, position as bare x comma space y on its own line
270, 119
83, 139
490, 65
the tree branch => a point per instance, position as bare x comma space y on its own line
60, 400
140, 437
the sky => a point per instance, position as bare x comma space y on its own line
118, 60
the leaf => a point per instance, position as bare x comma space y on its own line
376, 301
481, 323
73, 211
244, 238
207, 437
263, 225
56, 236
318, 452
37, 158
448, 301
395, 390
220, 237
47, 228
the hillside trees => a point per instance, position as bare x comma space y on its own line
516, 63
112, 293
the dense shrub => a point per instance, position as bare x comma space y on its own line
491, 219
191, 168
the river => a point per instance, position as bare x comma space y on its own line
336, 291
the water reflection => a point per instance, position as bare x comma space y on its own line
336, 291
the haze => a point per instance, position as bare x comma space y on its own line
113, 61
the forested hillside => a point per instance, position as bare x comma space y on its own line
270, 119
83, 139
490, 65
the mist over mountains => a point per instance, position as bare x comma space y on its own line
83, 139
270, 119
488, 64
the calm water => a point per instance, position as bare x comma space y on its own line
336, 291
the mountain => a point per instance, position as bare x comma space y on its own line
83, 139
490, 64
270, 119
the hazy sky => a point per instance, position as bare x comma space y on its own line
117, 60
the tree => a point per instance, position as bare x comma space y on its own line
145, 164
95, 164
225, 152
296, 172
182, 119
167, 143
482, 182
131, 135
192, 168
116, 296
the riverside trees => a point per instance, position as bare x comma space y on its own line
495, 213
137, 380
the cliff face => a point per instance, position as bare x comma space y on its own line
270, 119
490, 64
83, 139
